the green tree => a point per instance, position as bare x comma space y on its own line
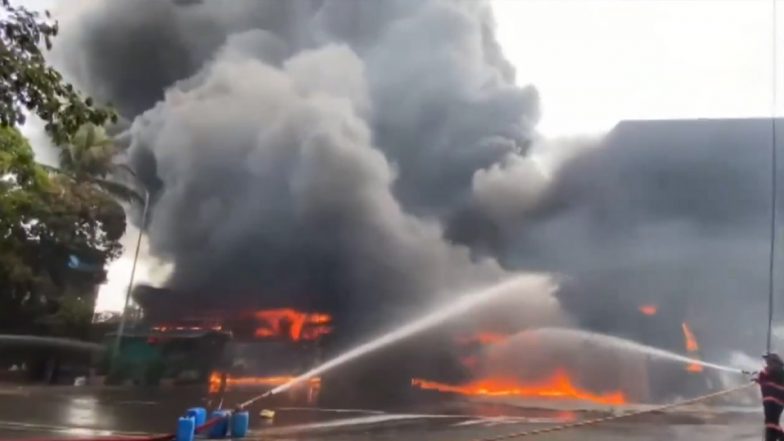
28, 83
47, 216
89, 158
88, 154
46, 219
72, 317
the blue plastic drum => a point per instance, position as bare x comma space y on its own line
221, 428
185, 429
199, 415
239, 424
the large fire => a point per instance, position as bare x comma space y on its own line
234, 382
692, 347
558, 386
294, 324
281, 323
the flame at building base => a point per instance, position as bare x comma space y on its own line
251, 381
557, 387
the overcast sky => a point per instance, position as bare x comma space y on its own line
596, 62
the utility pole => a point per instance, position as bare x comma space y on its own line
124, 313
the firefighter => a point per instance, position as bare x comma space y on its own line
771, 381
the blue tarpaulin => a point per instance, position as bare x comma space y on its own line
76, 264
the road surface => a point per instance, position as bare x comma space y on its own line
81, 413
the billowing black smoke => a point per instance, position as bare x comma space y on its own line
306, 152
667, 213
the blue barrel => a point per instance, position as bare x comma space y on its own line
221, 428
239, 424
185, 429
199, 415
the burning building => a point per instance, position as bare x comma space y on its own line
325, 169
283, 145
266, 347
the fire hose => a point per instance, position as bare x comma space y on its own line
247, 403
595, 421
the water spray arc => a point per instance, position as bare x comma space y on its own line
465, 304
628, 345
530, 283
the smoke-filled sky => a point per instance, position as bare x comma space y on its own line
361, 156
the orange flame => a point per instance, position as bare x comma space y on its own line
484, 338
690, 339
294, 324
559, 386
692, 347
694, 367
215, 381
649, 310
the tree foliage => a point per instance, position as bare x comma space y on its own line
47, 218
28, 83
89, 157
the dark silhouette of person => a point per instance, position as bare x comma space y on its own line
771, 381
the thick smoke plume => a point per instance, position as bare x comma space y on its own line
667, 213
308, 152
364, 156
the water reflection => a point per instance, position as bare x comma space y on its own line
82, 412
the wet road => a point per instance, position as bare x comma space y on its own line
48, 411
81, 413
